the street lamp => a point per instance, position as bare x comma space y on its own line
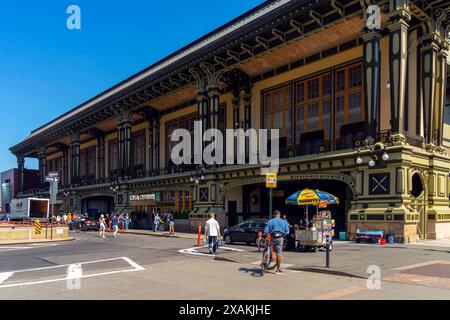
377, 151
198, 176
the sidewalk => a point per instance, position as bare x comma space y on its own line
183, 235
15, 242
346, 259
433, 243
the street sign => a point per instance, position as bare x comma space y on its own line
53, 179
53, 192
271, 180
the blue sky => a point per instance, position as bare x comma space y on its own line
46, 69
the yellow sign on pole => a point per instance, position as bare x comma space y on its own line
37, 226
271, 180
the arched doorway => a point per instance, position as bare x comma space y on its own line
250, 199
96, 205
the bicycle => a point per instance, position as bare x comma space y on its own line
266, 255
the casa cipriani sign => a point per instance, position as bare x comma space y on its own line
143, 197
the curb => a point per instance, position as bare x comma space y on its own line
34, 242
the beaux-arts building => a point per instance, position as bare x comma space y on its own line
360, 112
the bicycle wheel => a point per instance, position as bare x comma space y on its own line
265, 261
271, 264
261, 243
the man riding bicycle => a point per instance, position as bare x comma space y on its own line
277, 229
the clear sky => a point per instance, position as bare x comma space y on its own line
47, 69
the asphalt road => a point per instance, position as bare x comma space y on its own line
147, 267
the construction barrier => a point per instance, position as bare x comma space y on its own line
199, 235
37, 226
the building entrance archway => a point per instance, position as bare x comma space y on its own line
251, 200
96, 205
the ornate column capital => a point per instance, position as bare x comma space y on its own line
20, 159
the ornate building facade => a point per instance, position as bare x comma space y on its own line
361, 113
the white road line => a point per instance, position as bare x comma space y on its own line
74, 272
5, 276
194, 251
133, 264
66, 265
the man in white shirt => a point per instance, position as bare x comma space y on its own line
212, 232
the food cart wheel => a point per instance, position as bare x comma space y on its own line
316, 249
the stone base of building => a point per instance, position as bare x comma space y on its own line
438, 230
202, 215
403, 232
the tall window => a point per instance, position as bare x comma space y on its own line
54, 165
349, 96
313, 106
138, 144
316, 107
278, 112
113, 153
87, 163
180, 123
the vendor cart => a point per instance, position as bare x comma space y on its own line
316, 238
322, 225
310, 240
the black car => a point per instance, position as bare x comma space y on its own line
85, 224
246, 231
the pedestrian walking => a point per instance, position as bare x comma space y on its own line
127, 221
212, 233
102, 226
156, 222
69, 218
64, 217
115, 224
58, 219
171, 226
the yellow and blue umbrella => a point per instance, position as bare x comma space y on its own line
308, 197
311, 197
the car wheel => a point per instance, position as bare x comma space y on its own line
83, 228
228, 239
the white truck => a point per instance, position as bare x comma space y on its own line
29, 209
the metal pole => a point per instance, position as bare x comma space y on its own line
270, 202
327, 264
51, 222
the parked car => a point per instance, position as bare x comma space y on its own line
246, 231
86, 224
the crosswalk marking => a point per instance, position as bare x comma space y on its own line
194, 251
74, 272
5, 276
